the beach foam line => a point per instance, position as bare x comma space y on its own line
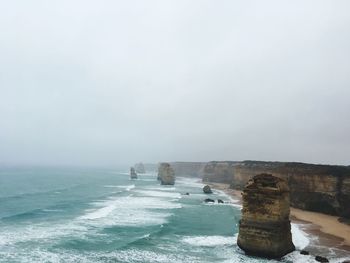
300, 238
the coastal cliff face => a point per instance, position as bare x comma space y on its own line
166, 174
264, 229
319, 188
219, 172
188, 169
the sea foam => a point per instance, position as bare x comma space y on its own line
210, 241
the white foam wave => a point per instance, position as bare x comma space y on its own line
300, 238
136, 255
129, 255
130, 210
159, 194
127, 187
40, 232
189, 182
210, 241
164, 188
99, 213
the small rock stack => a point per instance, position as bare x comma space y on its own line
207, 189
133, 174
166, 174
264, 229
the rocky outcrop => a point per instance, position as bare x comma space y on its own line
264, 229
133, 174
188, 169
166, 174
319, 188
219, 172
321, 259
207, 189
140, 168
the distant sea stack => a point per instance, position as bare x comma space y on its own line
133, 174
140, 168
166, 174
264, 229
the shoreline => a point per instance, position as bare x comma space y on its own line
329, 231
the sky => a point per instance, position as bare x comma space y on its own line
116, 82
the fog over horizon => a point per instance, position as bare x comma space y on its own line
117, 82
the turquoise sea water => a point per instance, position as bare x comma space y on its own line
100, 215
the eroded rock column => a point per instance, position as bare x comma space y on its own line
166, 174
264, 229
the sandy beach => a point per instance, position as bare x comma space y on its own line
329, 231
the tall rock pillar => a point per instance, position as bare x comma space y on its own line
166, 174
264, 229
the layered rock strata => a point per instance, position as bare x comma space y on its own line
219, 172
264, 229
319, 188
133, 174
166, 174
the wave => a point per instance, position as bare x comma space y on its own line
128, 255
130, 211
159, 193
189, 182
127, 187
210, 241
163, 188
300, 239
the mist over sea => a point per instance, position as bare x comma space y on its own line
100, 215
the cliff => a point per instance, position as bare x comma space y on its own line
188, 169
219, 172
264, 229
319, 188
166, 174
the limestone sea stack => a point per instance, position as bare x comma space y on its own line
166, 174
264, 229
140, 168
133, 174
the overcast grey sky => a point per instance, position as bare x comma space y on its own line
115, 82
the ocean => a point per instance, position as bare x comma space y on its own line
100, 215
